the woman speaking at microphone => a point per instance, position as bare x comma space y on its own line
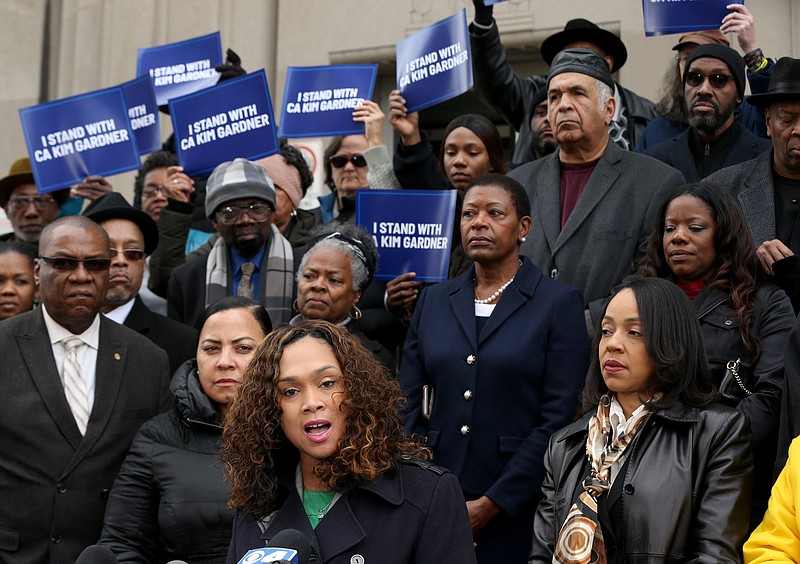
314, 442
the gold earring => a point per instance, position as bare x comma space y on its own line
356, 313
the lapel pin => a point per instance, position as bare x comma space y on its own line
117, 356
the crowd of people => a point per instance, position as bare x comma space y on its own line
611, 372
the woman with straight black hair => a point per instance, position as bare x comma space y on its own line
701, 243
169, 501
654, 471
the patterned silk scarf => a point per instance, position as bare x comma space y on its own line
581, 538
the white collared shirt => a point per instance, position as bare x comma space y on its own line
120, 313
86, 355
618, 421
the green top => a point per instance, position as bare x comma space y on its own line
317, 504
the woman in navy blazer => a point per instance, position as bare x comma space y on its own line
504, 351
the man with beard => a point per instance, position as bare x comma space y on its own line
134, 235
713, 86
251, 258
542, 139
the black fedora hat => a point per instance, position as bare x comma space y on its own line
783, 85
114, 206
584, 30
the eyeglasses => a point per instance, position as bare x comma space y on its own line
130, 254
257, 212
153, 191
340, 161
717, 80
67, 264
20, 203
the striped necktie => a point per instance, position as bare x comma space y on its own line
246, 283
74, 384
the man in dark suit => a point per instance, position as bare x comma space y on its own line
134, 236
593, 204
713, 87
77, 388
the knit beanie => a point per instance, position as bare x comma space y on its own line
284, 176
238, 179
729, 56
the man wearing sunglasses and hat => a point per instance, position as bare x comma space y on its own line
134, 236
27, 210
714, 83
512, 96
768, 186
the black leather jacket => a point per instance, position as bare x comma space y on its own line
169, 500
683, 494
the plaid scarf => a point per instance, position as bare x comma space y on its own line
275, 282
581, 538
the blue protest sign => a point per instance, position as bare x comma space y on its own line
319, 101
412, 229
70, 139
181, 68
490, 2
681, 16
143, 113
232, 119
433, 65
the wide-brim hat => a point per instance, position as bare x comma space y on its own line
584, 30
22, 173
114, 206
784, 84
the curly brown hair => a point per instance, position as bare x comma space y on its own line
255, 450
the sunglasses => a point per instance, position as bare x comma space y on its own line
717, 80
130, 254
257, 212
67, 264
340, 161
21, 203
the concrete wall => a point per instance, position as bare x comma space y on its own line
90, 44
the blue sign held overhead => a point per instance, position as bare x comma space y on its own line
75, 137
181, 68
232, 119
662, 17
412, 229
319, 101
143, 113
434, 64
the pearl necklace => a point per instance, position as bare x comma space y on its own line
497, 294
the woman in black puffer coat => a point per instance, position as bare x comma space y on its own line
169, 500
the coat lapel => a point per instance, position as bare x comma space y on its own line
600, 182
547, 189
139, 317
37, 354
514, 297
463, 305
758, 200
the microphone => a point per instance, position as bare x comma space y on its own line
288, 546
96, 554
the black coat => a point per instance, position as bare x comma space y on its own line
169, 500
677, 153
682, 495
772, 320
179, 341
416, 515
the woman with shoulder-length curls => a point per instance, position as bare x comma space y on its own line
654, 472
504, 350
702, 243
314, 442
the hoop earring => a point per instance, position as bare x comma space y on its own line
356, 313
295, 307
